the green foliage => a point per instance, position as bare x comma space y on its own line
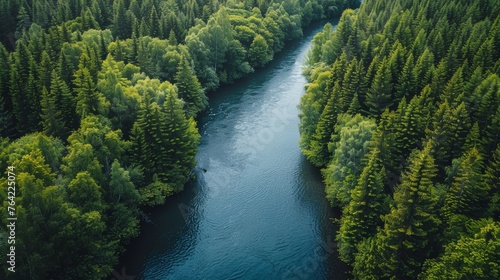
472, 257
361, 216
427, 72
96, 127
468, 193
258, 54
164, 143
342, 173
412, 222
190, 89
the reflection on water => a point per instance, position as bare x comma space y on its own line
257, 209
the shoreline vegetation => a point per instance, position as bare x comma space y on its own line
402, 114
98, 100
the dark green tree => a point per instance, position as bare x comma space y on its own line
190, 89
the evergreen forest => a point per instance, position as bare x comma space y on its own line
98, 107
402, 115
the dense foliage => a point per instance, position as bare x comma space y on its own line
97, 107
402, 112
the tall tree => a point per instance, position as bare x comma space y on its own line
379, 96
52, 123
190, 89
468, 193
412, 222
361, 216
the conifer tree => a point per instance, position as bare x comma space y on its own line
491, 176
468, 194
362, 216
65, 103
19, 85
65, 69
87, 98
353, 84
453, 91
154, 23
44, 71
190, 89
471, 257
182, 139
449, 130
121, 21
412, 223
52, 122
318, 153
379, 95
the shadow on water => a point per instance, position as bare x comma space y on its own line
162, 228
311, 192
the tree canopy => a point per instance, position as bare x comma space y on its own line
417, 182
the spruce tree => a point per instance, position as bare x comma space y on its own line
87, 97
65, 102
412, 225
318, 153
491, 176
468, 194
52, 123
379, 95
361, 217
190, 89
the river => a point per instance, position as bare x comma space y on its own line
257, 209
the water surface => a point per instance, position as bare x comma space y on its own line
257, 209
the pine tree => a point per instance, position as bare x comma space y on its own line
491, 176
121, 21
6, 122
453, 91
33, 102
88, 98
473, 139
172, 38
65, 103
468, 194
361, 217
492, 139
154, 23
384, 139
52, 123
471, 257
44, 70
412, 223
190, 89
422, 73
353, 84
164, 143
19, 85
354, 106
415, 119
379, 95
65, 69
449, 130
182, 139
318, 153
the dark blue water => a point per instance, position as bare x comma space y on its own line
259, 211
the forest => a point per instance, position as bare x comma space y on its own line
98, 107
402, 115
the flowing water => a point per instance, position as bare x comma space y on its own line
257, 209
